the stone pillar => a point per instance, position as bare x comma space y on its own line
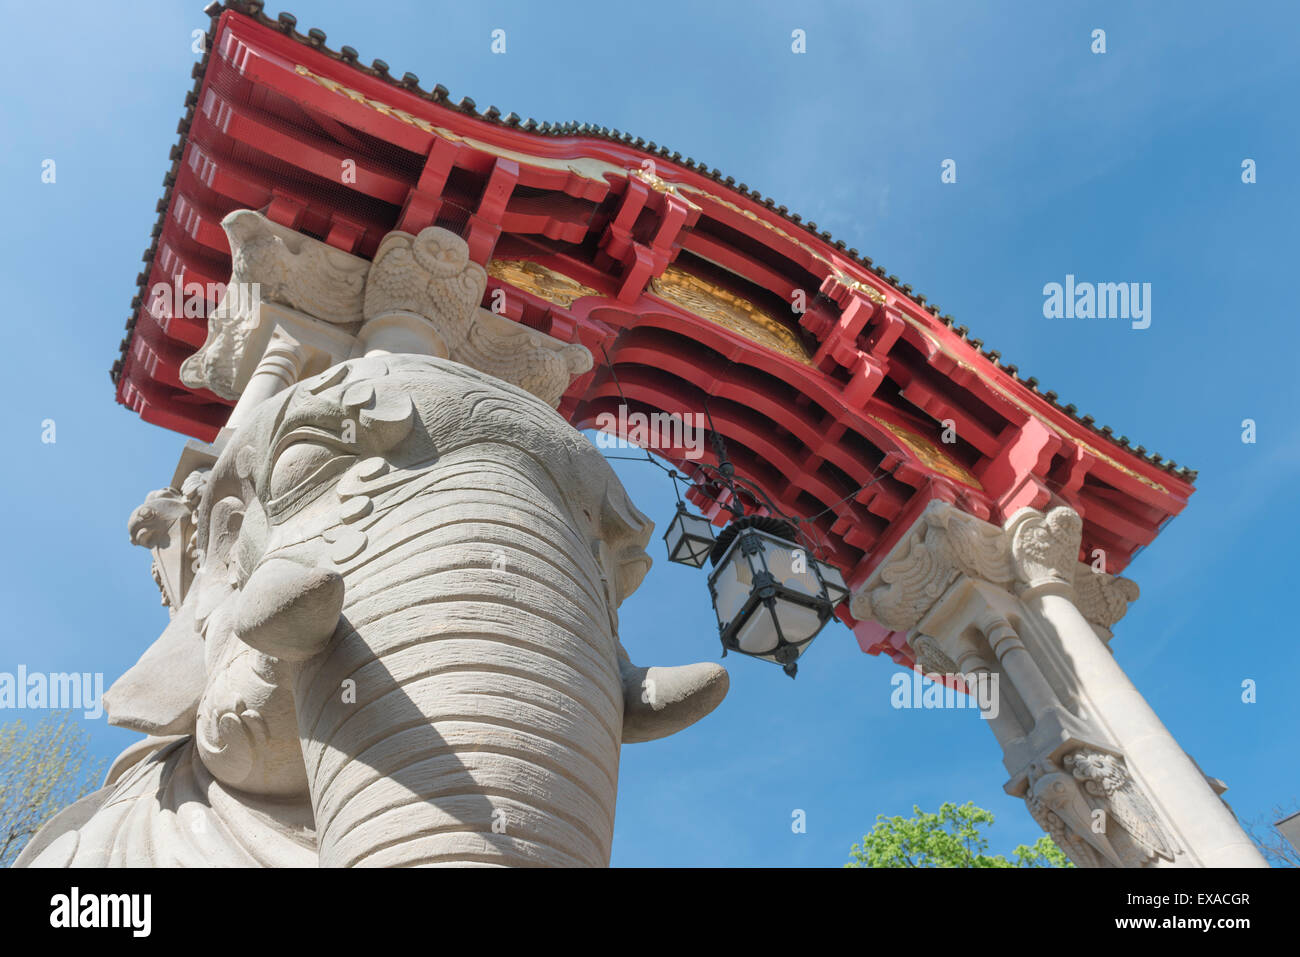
1094, 764
1002, 721
1018, 664
281, 366
398, 332
1208, 827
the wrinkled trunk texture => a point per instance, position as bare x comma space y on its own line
486, 717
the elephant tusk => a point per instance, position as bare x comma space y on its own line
658, 702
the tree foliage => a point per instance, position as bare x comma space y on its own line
951, 838
43, 769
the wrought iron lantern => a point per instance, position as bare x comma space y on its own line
689, 538
770, 596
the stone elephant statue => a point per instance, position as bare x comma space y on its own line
400, 645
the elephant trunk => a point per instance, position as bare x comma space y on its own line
474, 668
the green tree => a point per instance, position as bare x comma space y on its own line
951, 838
43, 769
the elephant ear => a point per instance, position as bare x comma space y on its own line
159, 694
657, 701
626, 532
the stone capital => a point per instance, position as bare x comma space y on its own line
426, 289
1045, 547
945, 543
420, 295
1103, 599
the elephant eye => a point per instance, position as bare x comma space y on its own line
296, 463
300, 473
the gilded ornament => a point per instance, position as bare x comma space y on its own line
702, 298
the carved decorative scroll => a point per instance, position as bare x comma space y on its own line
944, 543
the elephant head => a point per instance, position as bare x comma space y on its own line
406, 608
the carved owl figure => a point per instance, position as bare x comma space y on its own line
1104, 777
430, 275
1056, 803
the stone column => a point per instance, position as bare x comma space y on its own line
398, 332
1095, 766
1018, 664
1002, 720
281, 366
1203, 821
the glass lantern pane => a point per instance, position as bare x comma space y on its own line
836, 589
731, 582
699, 551
697, 525
796, 651
673, 536
791, 565
758, 635
798, 622
689, 539
689, 552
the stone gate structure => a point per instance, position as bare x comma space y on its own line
342, 249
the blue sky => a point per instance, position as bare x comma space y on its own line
1124, 166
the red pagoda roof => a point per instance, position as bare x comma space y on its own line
681, 277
